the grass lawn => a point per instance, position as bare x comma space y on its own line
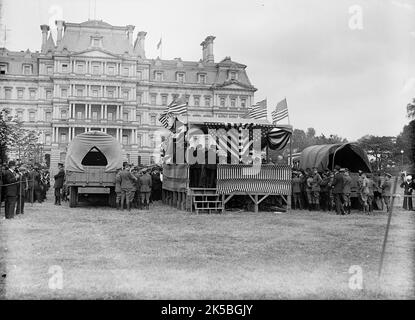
170, 254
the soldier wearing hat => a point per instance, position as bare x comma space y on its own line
23, 187
337, 186
347, 184
11, 179
59, 179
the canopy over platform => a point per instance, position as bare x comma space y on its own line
239, 132
93, 148
327, 156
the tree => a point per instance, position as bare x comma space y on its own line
23, 142
5, 131
16, 139
382, 149
410, 109
302, 140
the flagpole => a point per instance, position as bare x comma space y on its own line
161, 47
291, 138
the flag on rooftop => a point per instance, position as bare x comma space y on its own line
280, 112
258, 110
159, 44
178, 106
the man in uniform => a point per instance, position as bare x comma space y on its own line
296, 191
315, 189
324, 192
10, 179
23, 186
59, 178
127, 186
337, 186
145, 184
347, 184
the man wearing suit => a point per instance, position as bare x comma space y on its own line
127, 180
145, 184
338, 185
21, 191
11, 179
59, 178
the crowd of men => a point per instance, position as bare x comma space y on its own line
20, 183
332, 190
136, 188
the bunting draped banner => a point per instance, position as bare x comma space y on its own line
278, 138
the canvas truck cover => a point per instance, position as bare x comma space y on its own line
326, 156
84, 142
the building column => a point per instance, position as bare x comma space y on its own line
121, 112
117, 113
105, 111
89, 111
102, 111
86, 111
117, 134
121, 135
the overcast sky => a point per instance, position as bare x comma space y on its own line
340, 74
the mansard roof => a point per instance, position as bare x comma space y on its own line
77, 37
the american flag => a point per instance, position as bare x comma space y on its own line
178, 106
280, 112
164, 119
258, 110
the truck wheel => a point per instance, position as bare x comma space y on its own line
73, 197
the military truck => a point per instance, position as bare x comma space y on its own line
91, 163
327, 156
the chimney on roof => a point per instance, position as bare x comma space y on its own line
139, 49
59, 28
207, 49
45, 29
130, 30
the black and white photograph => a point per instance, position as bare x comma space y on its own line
200, 150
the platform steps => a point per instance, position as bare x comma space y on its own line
206, 200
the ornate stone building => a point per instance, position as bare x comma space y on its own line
96, 77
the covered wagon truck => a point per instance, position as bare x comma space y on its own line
91, 163
327, 156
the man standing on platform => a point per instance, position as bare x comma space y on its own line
337, 186
11, 179
59, 178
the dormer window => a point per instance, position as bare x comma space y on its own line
180, 77
96, 41
27, 69
232, 75
158, 75
202, 78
